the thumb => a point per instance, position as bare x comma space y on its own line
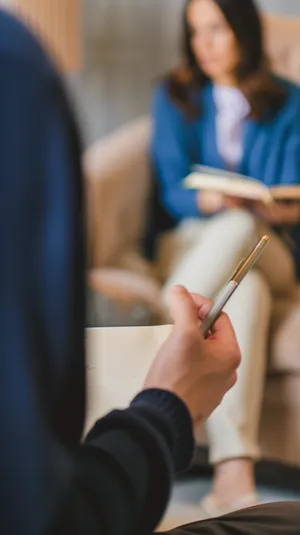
182, 307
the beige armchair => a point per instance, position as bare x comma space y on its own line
117, 177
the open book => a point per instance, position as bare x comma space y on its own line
236, 185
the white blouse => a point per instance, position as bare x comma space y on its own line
232, 110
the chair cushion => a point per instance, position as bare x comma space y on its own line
116, 188
283, 44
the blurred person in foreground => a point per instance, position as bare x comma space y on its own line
117, 481
224, 109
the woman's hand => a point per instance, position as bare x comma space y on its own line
279, 213
234, 202
211, 202
198, 371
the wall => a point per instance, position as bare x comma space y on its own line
289, 7
128, 44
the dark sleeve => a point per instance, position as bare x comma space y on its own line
118, 481
125, 468
170, 156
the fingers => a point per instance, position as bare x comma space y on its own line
203, 305
183, 308
186, 309
223, 331
232, 381
231, 202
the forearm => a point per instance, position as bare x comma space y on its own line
125, 468
279, 214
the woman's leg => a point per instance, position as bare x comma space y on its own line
213, 257
233, 427
204, 269
202, 255
221, 244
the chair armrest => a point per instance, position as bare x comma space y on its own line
117, 183
285, 335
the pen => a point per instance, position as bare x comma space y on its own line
241, 271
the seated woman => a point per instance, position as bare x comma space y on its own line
224, 109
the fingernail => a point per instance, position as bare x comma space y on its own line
205, 310
178, 289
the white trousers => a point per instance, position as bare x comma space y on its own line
202, 255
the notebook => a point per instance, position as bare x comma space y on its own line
117, 362
237, 185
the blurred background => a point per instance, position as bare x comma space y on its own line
127, 44
111, 53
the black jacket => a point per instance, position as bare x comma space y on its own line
118, 480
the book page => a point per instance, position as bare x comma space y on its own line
227, 184
117, 361
237, 185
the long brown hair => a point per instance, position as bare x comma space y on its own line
255, 81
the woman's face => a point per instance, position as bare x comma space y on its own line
213, 41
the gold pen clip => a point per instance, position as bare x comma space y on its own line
239, 267
246, 264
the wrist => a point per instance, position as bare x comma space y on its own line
175, 422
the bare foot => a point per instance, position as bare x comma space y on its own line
233, 480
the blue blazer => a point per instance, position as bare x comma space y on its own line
271, 147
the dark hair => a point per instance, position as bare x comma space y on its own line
254, 78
